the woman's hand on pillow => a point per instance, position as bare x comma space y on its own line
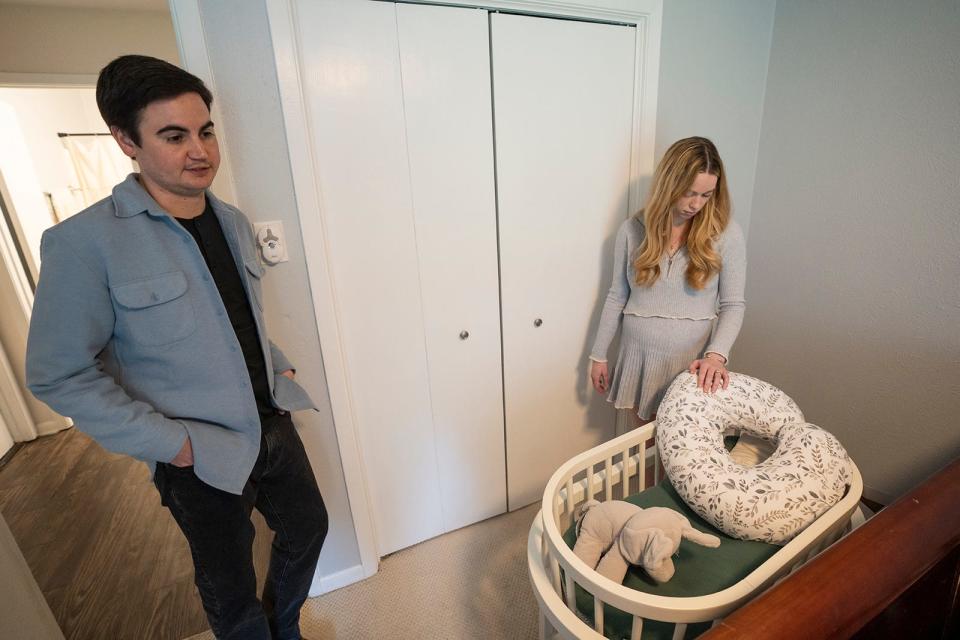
711, 372
599, 376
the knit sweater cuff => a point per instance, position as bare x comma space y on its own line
726, 358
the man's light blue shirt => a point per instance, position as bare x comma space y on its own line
130, 338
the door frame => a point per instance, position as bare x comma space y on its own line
644, 15
15, 414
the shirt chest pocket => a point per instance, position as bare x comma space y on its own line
155, 311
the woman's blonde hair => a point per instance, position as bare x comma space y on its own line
673, 178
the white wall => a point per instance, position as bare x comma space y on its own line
713, 70
853, 283
52, 40
247, 95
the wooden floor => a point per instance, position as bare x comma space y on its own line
108, 557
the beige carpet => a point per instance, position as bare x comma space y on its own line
470, 583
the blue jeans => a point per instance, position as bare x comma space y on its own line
218, 528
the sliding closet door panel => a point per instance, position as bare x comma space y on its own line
563, 94
445, 64
352, 85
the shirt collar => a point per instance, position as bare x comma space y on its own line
131, 199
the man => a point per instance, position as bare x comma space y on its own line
148, 331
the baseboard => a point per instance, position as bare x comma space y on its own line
334, 581
47, 427
6, 457
877, 496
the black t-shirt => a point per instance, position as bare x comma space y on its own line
206, 230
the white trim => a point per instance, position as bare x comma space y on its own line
623, 11
192, 45
338, 580
312, 225
11, 259
646, 85
47, 427
13, 408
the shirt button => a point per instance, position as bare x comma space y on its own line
186, 241
206, 277
233, 348
219, 312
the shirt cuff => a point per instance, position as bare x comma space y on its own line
168, 443
600, 360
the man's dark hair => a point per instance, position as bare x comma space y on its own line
129, 83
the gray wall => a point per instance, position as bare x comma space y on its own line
713, 70
253, 133
853, 284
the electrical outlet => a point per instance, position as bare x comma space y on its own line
271, 241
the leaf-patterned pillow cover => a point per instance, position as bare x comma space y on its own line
771, 502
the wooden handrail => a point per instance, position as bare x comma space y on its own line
847, 586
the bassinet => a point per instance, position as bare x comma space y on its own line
600, 473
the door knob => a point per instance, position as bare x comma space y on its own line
464, 335
537, 322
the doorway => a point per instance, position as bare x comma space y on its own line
52, 165
57, 159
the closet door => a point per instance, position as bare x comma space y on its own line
351, 77
398, 104
445, 61
563, 103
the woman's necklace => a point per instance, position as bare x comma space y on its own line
675, 245
677, 240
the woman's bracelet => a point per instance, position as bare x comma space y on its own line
714, 353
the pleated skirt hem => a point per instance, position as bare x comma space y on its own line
653, 351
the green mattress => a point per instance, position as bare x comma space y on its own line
699, 570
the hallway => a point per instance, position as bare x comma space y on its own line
108, 557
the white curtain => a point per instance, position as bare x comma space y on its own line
98, 163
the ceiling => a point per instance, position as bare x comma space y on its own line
143, 5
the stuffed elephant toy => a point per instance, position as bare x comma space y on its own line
614, 534
598, 527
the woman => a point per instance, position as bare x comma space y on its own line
678, 280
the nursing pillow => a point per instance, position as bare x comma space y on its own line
772, 501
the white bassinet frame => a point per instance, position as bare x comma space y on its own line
599, 473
